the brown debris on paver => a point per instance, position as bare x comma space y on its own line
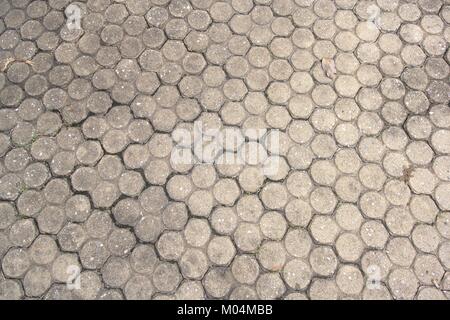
329, 67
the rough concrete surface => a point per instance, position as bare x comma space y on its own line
234, 149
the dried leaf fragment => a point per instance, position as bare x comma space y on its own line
7, 63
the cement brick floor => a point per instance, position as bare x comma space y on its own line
236, 149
